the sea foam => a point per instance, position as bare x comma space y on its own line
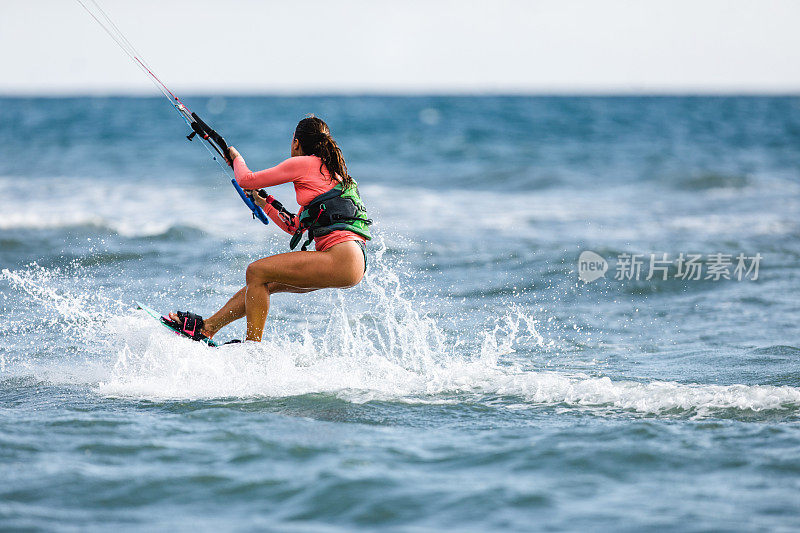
392, 353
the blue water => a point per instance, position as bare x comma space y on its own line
471, 382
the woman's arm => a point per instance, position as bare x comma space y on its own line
289, 170
288, 222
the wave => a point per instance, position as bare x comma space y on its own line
734, 225
388, 351
148, 209
95, 224
712, 180
129, 209
170, 369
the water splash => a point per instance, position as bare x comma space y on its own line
375, 344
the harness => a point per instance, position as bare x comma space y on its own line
335, 210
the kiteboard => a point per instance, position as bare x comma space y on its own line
167, 323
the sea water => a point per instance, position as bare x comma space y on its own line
475, 380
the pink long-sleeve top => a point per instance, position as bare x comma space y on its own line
310, 179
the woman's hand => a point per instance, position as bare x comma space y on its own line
259, 200
233, 153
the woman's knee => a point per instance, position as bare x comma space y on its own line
255, 274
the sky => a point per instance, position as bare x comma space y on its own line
411, 46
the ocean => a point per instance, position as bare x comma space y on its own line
480, 378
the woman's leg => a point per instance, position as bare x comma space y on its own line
340, 266
235, 308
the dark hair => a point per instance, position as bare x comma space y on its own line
315, 139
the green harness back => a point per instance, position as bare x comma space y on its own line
337, 209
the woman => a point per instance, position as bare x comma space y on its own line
331, 212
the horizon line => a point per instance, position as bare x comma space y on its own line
787, 93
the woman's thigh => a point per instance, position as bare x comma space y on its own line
339, 266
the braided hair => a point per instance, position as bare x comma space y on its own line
315, 139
